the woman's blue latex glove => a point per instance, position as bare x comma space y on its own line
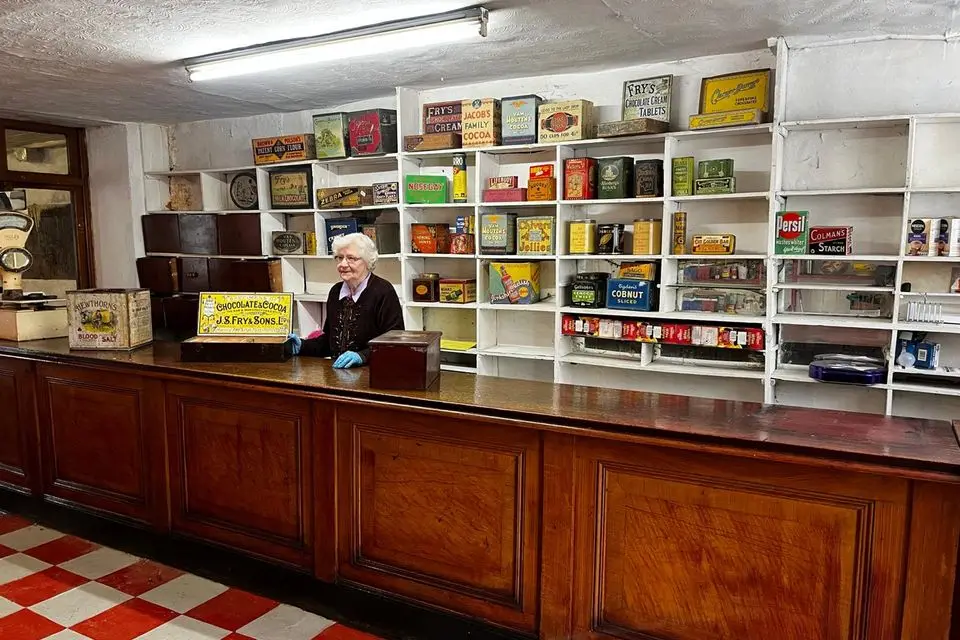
297, 342
348, 359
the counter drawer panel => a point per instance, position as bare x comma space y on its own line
684, 552
102, 435
18, 446
442, 515
241, 467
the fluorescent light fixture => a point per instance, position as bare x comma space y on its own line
441, 28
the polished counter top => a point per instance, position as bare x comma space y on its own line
929, 445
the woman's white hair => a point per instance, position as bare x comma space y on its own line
366, 250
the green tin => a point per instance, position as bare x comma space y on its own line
426, 189
683, 176
715, 169
615, 178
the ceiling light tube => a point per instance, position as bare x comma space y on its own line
441, 28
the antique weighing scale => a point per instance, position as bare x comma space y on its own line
30, 316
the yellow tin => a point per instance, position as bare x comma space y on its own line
736, 92
647, 237
583, 237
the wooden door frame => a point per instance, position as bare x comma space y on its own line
76, 182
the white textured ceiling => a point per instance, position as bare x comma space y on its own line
117, 60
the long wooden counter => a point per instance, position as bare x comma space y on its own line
553, 510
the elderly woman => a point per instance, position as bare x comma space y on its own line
360, 308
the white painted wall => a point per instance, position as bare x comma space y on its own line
116, 197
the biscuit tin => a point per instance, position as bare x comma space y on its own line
648, 178
331, 131
373, 132
792, 233
481, 122
430, 238
498, 233
284, 149
519, 119
289, 243
580, 179
458, 290
514, 282
535, 235
442, 117
566, 120
386, 193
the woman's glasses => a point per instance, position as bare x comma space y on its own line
347, 259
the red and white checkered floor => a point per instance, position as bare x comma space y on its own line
58, 587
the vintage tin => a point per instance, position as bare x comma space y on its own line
647, 237
535, 235
339, 227
459, 177
722, 168
679, 232
503, 182
637, 271
831, 241
589, 290
243, 190
583, 237
385, 236
291, 188
442, 117
463, 243
519, 119
728, 119
647, 98
615, 178
481, 122
426, 189
498, 233
648, 178
635, 295
542, 189
714, 244
284, 149
331, 131
458, 290
373, 132
431, 142
426, 287
714, 186
386, 193
541, 170
580, 179
344, 197
514, 282
610, 238
566, 120
638, 127
430, 238
289, 243
792, 233
109, 318
736, 92
504, 195
683, 176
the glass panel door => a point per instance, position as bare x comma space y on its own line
53, 242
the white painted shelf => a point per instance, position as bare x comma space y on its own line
694, 368
746, 130
687, 316
845, 123
927, 389
631, 201
519, 351
810, 320
453, 368
445, 205
754, 195
544, 306
938, 373
928, 294
361, 161
514, 205
838, 286
442, 305
934, 190
517, 258
382, 256
866, 191
618, 257
292, 211
831, 258
929, 327
792, 373
931, 258
454, 256
372, 207
732, 256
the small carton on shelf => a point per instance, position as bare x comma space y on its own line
458, 290
386, 193
535, 235
331, 132
519, 119
566, 120
301, 146
792, 233
831, 241
514, 282
580, 179
430, 238
443, 117
630, 294
481, 122
109, 319
498, 233
918, 236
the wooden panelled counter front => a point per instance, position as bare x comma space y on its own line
552, 510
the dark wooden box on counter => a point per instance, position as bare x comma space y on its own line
236, 349
405, 360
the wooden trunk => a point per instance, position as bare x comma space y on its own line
405, 360
161, 233
198, 233
239, 235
